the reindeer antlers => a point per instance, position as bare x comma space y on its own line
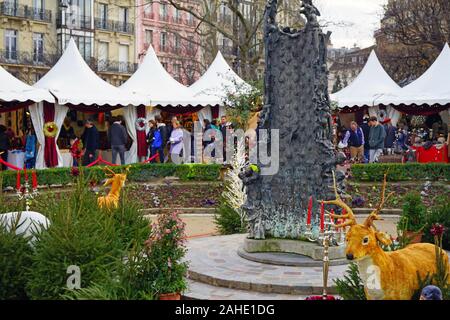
338, 202
374, 215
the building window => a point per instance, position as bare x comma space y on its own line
164, 64
163, 11
177, 71
190, 45
123, 58
148, 11
177, 15
38, 9
149, 37
103, 49
123, 14
103, 14
84, 45
163, 41
79, 14
177, 42
11, 44
38, 47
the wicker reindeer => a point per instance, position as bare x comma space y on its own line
386, 275
117, 181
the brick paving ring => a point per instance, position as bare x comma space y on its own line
285, 259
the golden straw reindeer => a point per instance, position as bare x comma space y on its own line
386, 275
117, 181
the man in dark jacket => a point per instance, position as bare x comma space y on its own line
90, 140
118, 137
4, 144
377, 135
391, 132
366, 130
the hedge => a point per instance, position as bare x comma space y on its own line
137, 173
401, 171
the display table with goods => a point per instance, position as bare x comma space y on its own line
16, 158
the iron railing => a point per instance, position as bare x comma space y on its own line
115, 26
74, 21
113, 66
25, 12
27, 58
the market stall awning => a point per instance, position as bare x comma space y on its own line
430, 89
15, 94
369, 87
217, 82
157, 85
73, 83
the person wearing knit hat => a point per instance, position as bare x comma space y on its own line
431, 293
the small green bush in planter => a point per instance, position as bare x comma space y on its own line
15, 259
228, 220
165, 248
413, 217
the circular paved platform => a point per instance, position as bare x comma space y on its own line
285, 259
214, 261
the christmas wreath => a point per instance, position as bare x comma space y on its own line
141, 124
50, 129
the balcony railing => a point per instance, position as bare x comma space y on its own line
149, 15
74, 21
27, 58
25, 12
115, 26
164, 17
113, 66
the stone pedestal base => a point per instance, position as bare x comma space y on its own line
309, 249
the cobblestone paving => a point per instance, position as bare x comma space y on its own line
214, 261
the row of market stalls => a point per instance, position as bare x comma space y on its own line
373, 91
71, 90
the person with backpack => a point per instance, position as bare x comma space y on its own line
157, 145
164, 132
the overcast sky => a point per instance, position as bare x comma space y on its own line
357, 19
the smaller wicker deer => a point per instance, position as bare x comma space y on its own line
117, 181
386, 275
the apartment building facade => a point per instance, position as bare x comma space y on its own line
172, 35
34, 33
28, 46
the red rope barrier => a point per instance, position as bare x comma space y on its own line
101, 160
151, 158
9, 165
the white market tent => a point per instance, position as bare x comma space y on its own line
74, 84
368, 88
71, 81
432, 88
156, 84
13, 91
219, 80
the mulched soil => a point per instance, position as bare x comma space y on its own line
177, 196
368, 195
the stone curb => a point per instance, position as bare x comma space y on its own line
305, 289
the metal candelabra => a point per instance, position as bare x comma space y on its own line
26, 194
328, 236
